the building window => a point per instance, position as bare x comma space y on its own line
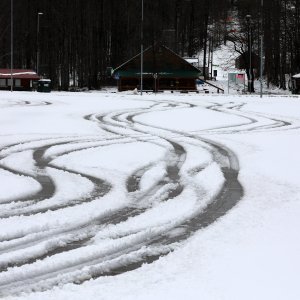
18, 82
9, 82
2, 82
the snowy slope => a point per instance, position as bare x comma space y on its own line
224, 62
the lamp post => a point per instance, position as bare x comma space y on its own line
248, 21
261, 47
142, 47
11, 44
38, 42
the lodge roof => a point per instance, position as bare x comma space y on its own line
160, 60
18, 74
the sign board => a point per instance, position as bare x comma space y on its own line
240, 78
237, 81
232, 77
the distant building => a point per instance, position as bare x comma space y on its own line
193, 61
163, 69
196, 63
22, 79
242, 62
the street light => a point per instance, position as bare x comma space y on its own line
248, 21
11, 43
261, 47
38, 42
142, 47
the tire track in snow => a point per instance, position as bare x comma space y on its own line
227, 198
121, 217
127, 213
93, 267
276, 124
48, 188
113, 218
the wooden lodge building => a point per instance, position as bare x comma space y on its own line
162, 70
22, 79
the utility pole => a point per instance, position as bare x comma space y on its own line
38, 42
11, 44
142, 48
249, 29
209, 53
212, 56
206, 21
261, 47
205, 45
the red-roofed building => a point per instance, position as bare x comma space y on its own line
22, 79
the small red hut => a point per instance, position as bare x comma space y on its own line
22, 79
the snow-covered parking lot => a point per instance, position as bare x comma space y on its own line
170, 196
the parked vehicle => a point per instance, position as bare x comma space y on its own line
295, 84
44, 86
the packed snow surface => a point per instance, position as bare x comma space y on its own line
170, 196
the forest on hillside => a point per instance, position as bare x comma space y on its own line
78, 40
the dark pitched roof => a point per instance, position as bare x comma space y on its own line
158, 59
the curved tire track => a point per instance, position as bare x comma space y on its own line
230, 194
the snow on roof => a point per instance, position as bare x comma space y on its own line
191, 59
18, 73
